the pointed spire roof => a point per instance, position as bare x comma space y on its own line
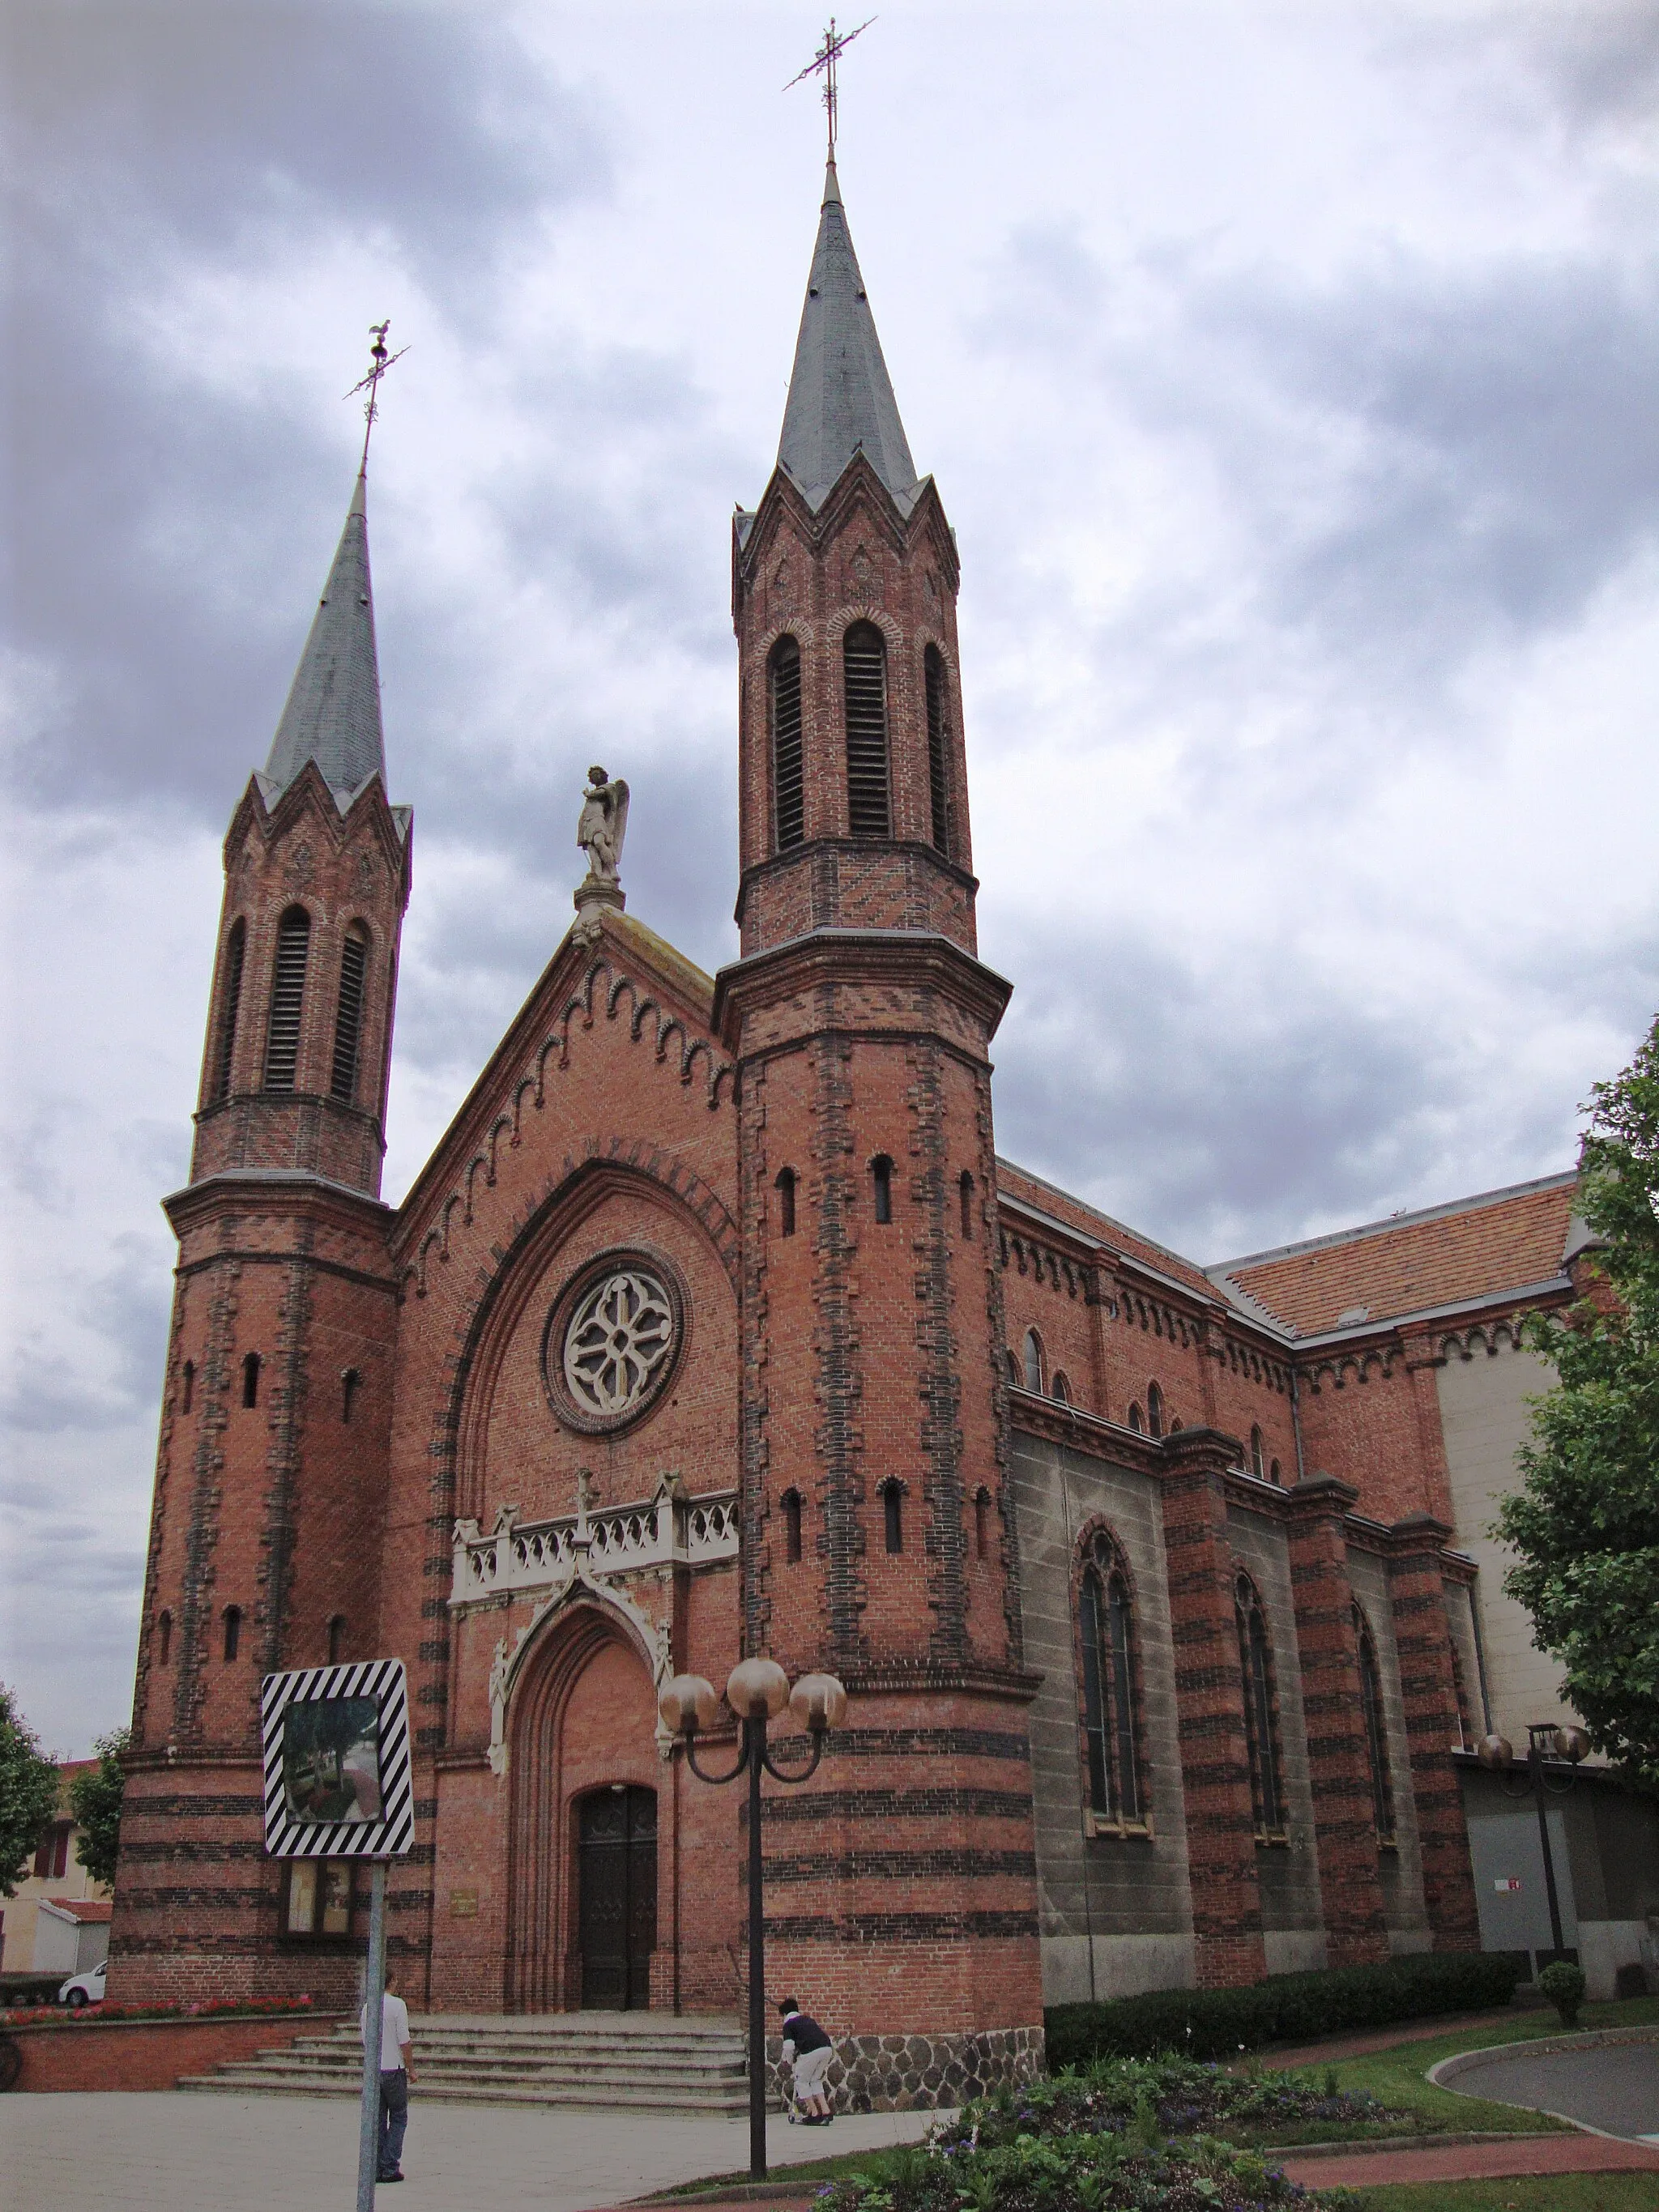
840, 395
333, 710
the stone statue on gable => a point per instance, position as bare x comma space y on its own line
602, 826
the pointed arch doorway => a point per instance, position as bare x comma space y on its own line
584, 1871
617, 1896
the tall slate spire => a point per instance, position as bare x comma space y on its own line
840, 395
333, 710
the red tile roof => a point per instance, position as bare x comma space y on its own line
92, 1910
1477, 1248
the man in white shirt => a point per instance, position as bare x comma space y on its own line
396, 2073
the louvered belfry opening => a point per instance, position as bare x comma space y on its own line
938, 779
348, 1016
789, 765
287, 992
230, 1006
864, 654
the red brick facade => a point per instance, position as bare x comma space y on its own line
370, 1443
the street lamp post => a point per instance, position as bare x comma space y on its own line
1496, 1754
756, 1689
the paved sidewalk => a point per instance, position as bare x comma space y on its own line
1336, 2048
1614, 2088
168, 2153
1520, 2155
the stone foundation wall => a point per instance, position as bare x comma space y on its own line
906, 2072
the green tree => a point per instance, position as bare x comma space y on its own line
95, 1801
29, 1793
1585, 1521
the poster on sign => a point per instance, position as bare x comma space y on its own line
336, 1765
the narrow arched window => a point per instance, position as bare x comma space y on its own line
1465, 1740
233, 1631
892, 1507
287, 993
965, 1196
351, 1384
1014, 1374
230, 1007
1110, 1719
783, 717
1274, 1474
1260, 1723
1376, 1740
1256, 1467
983, 1524
349, 1014
939, 740
864, 660
163, 1639
251, 1367
785, 1190
881, 1177
1154, 1410
1033, 1361
1059, 1388
186, 1386
791, 1525
1135, 1421
336, 1639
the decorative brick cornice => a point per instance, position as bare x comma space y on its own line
848, 958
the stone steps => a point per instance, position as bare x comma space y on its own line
625, 2060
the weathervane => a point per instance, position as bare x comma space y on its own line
823, 64
371, 384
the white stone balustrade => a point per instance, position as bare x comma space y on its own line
670, 1529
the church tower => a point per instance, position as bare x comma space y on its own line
271, 1481
876, 1542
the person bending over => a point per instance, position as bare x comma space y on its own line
808, 2051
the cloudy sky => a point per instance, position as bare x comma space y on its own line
1288, 372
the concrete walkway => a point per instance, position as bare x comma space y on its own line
165, 2152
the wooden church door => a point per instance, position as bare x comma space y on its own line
616, 1877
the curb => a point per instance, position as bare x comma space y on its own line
1362, 2147
1589, 2039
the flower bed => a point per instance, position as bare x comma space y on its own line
1070, 2174
1178, 2097
91, 2015
1122, 2137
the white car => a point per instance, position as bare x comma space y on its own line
84, 1988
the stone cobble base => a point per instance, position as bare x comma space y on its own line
902, 2073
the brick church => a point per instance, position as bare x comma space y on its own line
715, 1325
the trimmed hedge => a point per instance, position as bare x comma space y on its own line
1285, 2008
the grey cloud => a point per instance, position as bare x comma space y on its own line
178, 533
1421, 466
123, 1314
1222, 1121
241, 115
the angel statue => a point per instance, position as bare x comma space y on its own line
602, 826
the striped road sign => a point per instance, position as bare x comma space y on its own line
337, 1767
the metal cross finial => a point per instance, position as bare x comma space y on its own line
824, 64
381, 360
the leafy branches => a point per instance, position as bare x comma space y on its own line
29, 1792
95, 1801
1585, 1522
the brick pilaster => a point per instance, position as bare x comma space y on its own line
1226, 1898
1423, 1360
1339, 1766
1429, 1689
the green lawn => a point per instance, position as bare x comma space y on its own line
1554, 2192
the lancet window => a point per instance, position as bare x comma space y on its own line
783, 714
1111, 1705
1377, 1739
1260, 1716
864, 660
938, 742
288, 991
349, 1013
230, 1007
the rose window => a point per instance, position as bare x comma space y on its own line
617, 1342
